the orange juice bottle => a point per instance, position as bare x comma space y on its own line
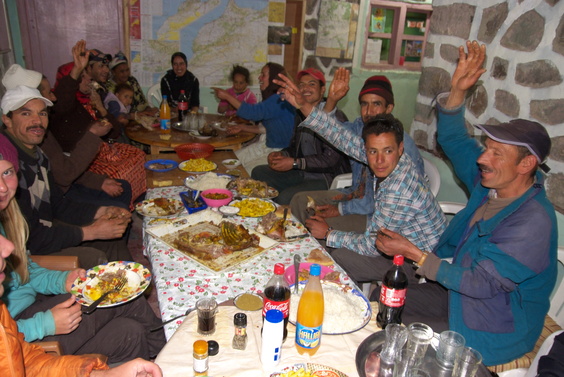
310, 314
165, 116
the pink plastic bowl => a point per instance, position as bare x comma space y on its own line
216, 202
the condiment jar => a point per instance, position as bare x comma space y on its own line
200, 363
240, 337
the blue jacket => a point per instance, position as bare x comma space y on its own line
19, 297
276, 116
504, 268
365, 205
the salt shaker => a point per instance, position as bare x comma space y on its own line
240, 337
272, 333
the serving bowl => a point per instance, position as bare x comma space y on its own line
211, 202
231, 163
194, 150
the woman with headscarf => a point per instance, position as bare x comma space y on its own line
276, 119
180, 78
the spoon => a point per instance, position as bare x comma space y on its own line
172, 319
297, 260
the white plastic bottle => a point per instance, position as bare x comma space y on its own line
272, 333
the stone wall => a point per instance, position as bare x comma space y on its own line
524, 78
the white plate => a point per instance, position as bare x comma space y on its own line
197, 135
355, 294
138, 279
231, 163
148, 208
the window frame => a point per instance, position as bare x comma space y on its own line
397, 36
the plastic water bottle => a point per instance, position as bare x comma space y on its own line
165, 116
271, 347
310, 314
392, 295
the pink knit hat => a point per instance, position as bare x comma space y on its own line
8, 152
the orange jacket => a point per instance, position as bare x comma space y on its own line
19, 358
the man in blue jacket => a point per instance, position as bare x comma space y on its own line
496, 290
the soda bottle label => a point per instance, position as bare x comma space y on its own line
283, 306
182, 105
308, 337
165, 124
393, 298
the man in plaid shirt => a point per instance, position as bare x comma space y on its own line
403, 199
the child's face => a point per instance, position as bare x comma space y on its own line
125, 97
239, 83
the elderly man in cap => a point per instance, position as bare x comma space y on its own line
309, 163
496, 290
56, 224
401, 197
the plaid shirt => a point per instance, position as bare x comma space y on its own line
403, 202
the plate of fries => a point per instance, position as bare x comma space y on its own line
197, 166
253, 207
308, 370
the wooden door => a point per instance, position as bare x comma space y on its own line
49, 29
295, 14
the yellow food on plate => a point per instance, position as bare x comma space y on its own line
252, 207
197, 165
107, 282
297, 373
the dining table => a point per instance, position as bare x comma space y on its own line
182, 134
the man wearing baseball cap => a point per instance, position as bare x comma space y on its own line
309, 163
496, 290
49, 215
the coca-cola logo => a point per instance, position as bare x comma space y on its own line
283, 306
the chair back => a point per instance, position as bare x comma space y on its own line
341, 181
154, 95
451, 208
556, 310
433, 176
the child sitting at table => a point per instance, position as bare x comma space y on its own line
119, 104
240, 77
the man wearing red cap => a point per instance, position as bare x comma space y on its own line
496, 290
309, 163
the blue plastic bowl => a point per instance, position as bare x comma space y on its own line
184, 195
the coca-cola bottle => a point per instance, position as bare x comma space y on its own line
277, 295
182, 105
392, 295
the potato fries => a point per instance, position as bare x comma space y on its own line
198, 165
252, 207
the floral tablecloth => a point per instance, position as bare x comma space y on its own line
180, 281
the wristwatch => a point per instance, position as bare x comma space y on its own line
295, 164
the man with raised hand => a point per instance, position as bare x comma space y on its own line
496, 290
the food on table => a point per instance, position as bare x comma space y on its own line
248, 302
159, 166
234, 172
319, 257
334, 276
231, 162
310, 206
216, 196
166, 206
273, 226
344, 311
197, 165
208, 241
250, 187
298, 373
229, 210
158, 207
107, 282
253, 207
208, 181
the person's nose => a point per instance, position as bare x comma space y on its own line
36, 119
6, 247
3, 186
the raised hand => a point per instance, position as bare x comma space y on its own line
340, 85
467, 73
80, 57
291, 93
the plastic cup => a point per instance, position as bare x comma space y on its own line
450, 344
206, 308
396, 336
418, 339
467, 362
